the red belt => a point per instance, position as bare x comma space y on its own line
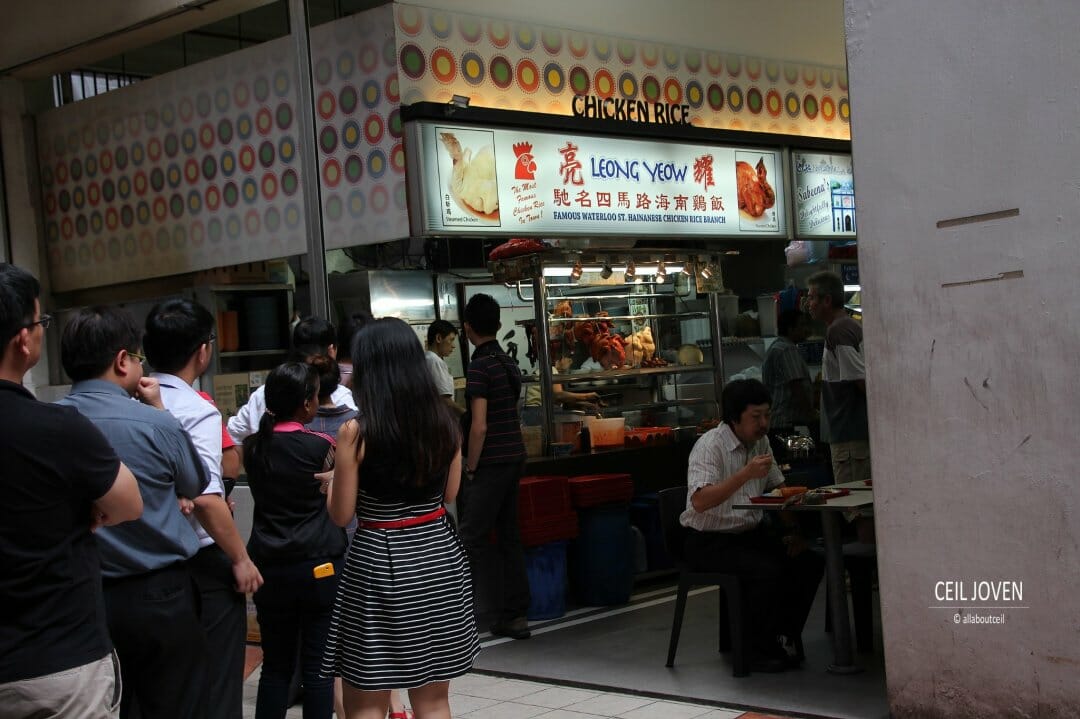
403, 523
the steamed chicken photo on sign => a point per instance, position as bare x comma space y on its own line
472, 182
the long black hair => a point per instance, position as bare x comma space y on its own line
401, 413
287, 387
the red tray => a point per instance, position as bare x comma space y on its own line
767, 500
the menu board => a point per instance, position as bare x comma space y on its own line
470, 180
824, 195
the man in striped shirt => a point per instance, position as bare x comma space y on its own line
494, 460
843, 394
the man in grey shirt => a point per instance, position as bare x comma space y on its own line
150, 600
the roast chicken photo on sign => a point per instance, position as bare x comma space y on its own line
472, 183
755, 193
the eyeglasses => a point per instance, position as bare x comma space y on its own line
211, 338
44, 321
140, 357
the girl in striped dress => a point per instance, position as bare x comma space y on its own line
403, 616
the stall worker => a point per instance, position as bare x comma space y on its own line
440, 345
787, 378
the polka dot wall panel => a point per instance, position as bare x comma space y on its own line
191, 170
524, 66
200, 168
358, 129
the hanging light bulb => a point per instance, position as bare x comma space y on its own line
631, 271
575, 274
607, 271
661, 273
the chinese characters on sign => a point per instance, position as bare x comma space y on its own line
566, 184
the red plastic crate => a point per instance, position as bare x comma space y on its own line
552, 529
596, 489
543, 497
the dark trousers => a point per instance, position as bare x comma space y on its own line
294, 619
488, 502
779, 590
154, 624
224, 620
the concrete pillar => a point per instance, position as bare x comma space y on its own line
966, 149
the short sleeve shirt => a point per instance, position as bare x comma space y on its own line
160, 455
489, 376
444, 381
783, 365
717, 455
56, 464
202, 421
842, 401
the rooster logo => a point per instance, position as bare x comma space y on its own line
525, 168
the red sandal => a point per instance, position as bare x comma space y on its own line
404, 714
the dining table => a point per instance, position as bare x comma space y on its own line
831, 511
859, 485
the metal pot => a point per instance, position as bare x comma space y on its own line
798, 446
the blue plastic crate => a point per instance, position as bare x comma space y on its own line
602, 566
546, 568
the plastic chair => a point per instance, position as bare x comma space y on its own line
731, 635
860, 562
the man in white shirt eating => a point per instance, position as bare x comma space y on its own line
729, 465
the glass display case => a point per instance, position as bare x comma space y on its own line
626, 344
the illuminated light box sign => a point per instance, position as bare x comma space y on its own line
824, 195
471, 180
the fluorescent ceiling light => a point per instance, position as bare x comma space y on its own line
647, 269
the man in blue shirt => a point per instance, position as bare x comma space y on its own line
150, 600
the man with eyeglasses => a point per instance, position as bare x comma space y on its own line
178, 344
150, 600
60, 481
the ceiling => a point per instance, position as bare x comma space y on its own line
144, 37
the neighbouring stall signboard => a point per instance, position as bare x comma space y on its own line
469, 180
824, 195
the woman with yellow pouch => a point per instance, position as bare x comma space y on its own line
293, 541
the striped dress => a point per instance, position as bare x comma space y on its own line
403, 616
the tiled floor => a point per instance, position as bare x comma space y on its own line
479, 696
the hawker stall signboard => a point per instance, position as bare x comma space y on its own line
470, 180
824, 195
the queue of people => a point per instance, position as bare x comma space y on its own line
126, 576
124, 572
